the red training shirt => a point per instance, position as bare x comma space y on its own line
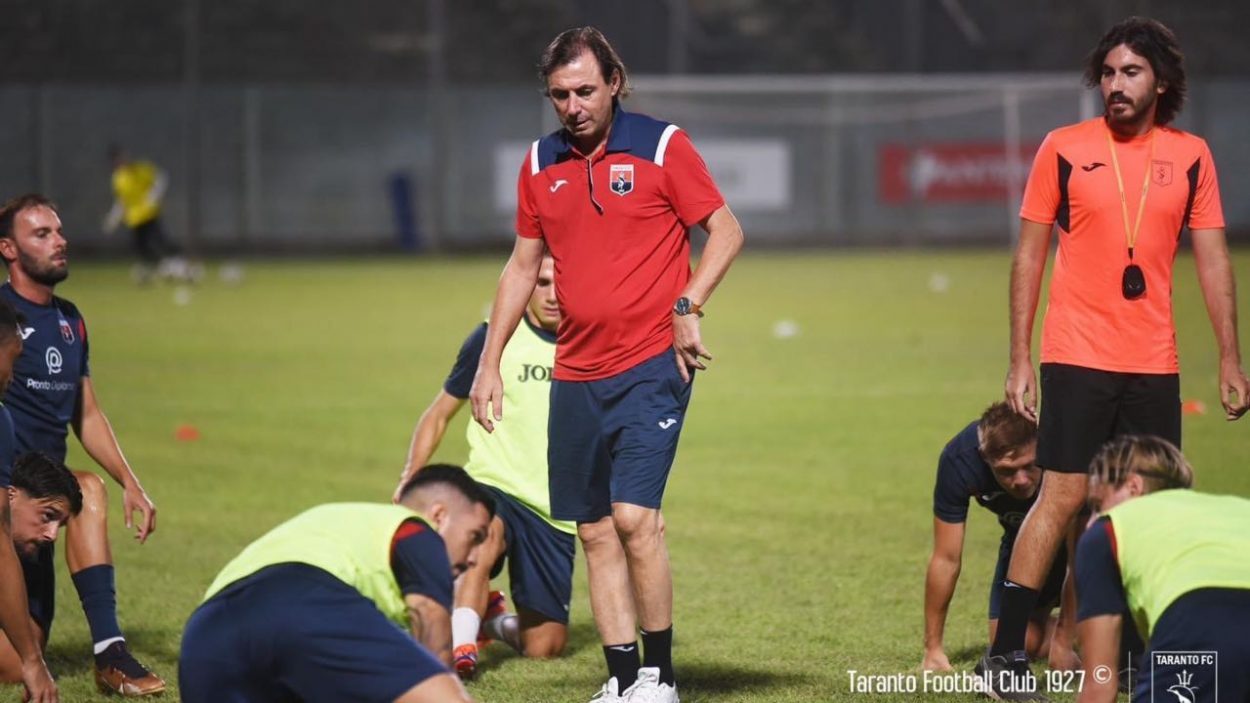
617, 226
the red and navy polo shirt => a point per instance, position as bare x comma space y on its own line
617, 226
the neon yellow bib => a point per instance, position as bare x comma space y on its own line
132, 183
514, 457
1172, 542
351, 541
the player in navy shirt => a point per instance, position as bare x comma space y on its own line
991, 462
52, 392
26, 652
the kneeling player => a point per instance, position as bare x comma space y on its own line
990, 461
42, 496
309, 611
511, 463
1177, 561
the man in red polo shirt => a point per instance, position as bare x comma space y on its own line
1121, 188
613, 195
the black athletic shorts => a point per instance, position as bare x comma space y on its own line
1083, 408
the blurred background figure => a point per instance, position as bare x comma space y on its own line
138, 188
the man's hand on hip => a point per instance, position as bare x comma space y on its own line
689, 345
486, 396
1233, 384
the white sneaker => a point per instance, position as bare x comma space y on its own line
648, 689
610, 693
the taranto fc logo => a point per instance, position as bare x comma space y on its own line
1161, 173
622, 178
67, 332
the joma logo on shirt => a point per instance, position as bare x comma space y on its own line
534, 372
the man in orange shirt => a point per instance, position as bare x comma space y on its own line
1109, 363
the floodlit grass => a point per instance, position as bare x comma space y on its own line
799, 510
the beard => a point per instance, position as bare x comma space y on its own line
44, 274
1136, 112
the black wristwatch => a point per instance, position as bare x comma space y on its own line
683, 307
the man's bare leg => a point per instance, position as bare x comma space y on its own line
611, 598
1043, 530
541, 637
641, 530
90, 562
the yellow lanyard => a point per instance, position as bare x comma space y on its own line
1130, 235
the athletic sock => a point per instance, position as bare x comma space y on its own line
623, 663
505, 627
465, 623
657, 651
1013, 618
99, 603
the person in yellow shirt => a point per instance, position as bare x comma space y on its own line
138, 188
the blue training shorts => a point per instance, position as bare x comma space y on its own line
539, 557
293, 632
613, 440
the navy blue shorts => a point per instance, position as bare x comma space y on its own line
613, 440
1048, 597
293, 632
1199, 649
539, 557
40, 575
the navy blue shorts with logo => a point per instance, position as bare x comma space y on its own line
613, 440
1048, 596
1199, 650
539, 557
293, 632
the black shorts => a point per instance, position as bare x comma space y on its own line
40, 573
1049, 595
1083, 408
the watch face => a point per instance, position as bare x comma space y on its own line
682, 307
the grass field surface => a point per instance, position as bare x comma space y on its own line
799, 512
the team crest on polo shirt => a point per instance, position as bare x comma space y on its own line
67, 332
1161, 173
621, 176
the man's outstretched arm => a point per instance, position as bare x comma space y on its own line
516, 285
96, 435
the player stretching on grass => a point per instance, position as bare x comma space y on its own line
511, 464
992, 462
1176, 560
51, 392
41, 495
1120, 188
25, 661
308, 612
613, 195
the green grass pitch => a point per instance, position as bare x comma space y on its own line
799, 510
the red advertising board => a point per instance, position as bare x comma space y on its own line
948, 172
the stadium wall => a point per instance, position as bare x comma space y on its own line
839, 161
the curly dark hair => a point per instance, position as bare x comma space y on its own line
1152, 40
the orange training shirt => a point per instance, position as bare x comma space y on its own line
1088, 321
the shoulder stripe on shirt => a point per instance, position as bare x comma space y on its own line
1191, 175
663, 145
534, 169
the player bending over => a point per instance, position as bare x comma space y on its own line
310, 610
